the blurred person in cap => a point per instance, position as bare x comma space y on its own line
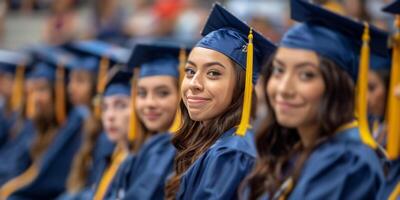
156, 99
312, 146
87, 84
215, 147
391, 188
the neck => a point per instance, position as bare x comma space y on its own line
308, 134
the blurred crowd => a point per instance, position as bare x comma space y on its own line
116, 20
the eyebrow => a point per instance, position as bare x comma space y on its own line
209, 64
299, 65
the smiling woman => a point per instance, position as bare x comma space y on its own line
213, 155
311, 146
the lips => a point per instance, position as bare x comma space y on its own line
196, 101
285, 106
152, 116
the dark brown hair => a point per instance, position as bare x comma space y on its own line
276, 144
46, 129
194, 138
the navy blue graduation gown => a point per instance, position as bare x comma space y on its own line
6, 123
15, 153
341, 168
54, 166
392, 180
218, 173
102, 153
143, 176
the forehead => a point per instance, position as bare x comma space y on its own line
157, 81
203, 55
296, 55
113, 98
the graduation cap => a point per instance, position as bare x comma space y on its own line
156, 59
331, 35
342, 40
378, 62
225, 33
393, 106
42, 70
393, 7
119, 83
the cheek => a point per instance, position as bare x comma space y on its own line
270, 89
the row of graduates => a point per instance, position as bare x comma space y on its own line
169, 124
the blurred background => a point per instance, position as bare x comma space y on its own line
26, 22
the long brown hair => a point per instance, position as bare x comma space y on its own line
276, 144
83, 161
46, 129
194, 138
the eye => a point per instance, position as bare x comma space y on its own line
277, 70
307, 75
141, 93
163, 93
213, 74
120, 105
189, 72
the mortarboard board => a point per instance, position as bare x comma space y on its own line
393, 7
119, 83
155, 59
10, 60
99, 49
378, 62
331, 35
225, 33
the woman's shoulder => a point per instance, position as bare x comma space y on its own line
230, 142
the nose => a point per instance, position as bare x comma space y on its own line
150, 101
286, 86
196, 83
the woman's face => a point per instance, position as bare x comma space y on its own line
208, 86
376, 94
157, 102
40, 93
296, 87
80, 87
115, 115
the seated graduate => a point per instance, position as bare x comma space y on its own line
13, 67
115, 116
215, 148
56, 139
17, 129
156, 99
378, 91
311, 147
391, 188
93, 157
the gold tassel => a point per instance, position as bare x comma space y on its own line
60, 95
18, 182
133, 121
362, 86
245, 119
101, 84
118, 157
18, 89
176, 125
30, 105
393, 137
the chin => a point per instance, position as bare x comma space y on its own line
288, 123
